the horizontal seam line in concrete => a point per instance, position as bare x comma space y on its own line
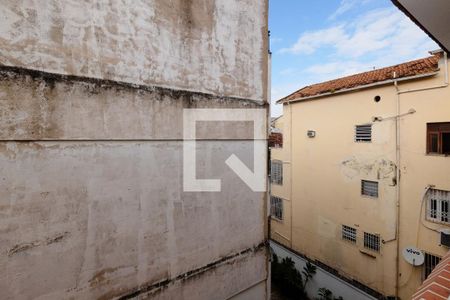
122, 140
123, 84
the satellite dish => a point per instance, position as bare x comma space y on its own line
413, 256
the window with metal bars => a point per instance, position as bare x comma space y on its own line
431, 261
276, 207
276, 172
372, 241
363, 133
349, 234
438, 206
369, 188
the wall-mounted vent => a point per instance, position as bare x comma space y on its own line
363, 133
369, 188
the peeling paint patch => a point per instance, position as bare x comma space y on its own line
27, 246
379, 168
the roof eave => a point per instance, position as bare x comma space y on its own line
361, 87
411, 16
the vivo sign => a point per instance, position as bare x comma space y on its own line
413, 256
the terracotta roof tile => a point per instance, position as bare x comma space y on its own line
437, 285
408, 69
275, 140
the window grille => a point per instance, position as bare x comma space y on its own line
349, 234
276, 207
369, 188
438, 206
431, 261
363, 133
372, 241
276, 172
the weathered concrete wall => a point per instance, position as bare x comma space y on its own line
92, 199
91, 181
219, 47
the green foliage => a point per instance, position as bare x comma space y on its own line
289, 280
292, 283
308, 272
326, 294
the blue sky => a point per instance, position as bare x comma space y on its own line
315, 41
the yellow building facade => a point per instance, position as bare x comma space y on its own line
342, 202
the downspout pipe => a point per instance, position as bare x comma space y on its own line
398, 161
397, 191
291, 171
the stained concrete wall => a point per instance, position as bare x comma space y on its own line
91, 187
218, 47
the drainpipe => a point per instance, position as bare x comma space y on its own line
290, 169
398, 162
398, 174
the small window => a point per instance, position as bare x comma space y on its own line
369, 188
276, 207
363, 133
438, 206
276, 172
372, 241
431, 261
438, 138
349, 234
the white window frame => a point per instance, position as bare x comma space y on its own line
276, 172
372, 242
438, 206
349, 234
276, 208
363, 133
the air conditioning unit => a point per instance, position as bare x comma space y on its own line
445, 237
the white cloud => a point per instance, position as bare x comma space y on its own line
280, 91
347, 5
309, 42
379, 31
328, 71
376, 39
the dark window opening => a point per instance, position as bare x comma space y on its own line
434, 148
446, 142
431, 261
438, 138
